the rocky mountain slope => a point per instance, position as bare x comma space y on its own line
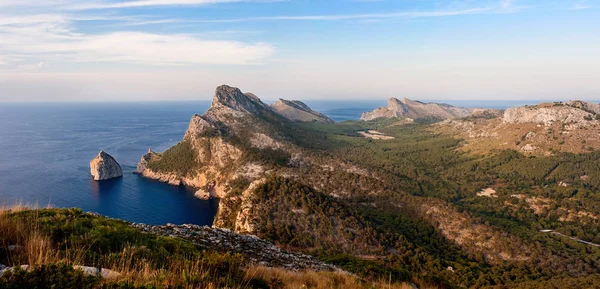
403, 203
549, 113
296, 110
536, 129
407, 108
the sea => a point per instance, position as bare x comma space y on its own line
45, 149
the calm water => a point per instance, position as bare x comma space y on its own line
45, 151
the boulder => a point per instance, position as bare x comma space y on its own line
105, 167
202, 194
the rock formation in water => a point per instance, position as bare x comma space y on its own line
407, 108
548, 113
105, 167
296, 110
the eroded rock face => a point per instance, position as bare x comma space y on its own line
407, 108
548, 113
143, 164
296, 110
219, 138
233, 98
105, 167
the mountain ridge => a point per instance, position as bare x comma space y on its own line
407, 108
296, 110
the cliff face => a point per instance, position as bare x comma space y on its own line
105, 167
298, 111
216, 141
541, 129
407, 108
548, 113
238, 151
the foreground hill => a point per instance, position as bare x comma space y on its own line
411, 109
47, 248
407, 205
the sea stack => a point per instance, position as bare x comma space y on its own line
105, 167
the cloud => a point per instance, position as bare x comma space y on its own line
581, 5
53, 38
371, 16
153, 3
506, 4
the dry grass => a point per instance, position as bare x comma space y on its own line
25, 244
279, 278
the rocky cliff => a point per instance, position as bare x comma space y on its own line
407, 108
105, 167
230, 143
296, 110
549, 113
239, 150
541, 129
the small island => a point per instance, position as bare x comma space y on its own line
105, 167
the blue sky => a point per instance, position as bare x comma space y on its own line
74, 50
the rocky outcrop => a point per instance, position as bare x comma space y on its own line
407, 108
219, 141
143, 164
486, 113
105, 167
234, 99
549, 113
255, 250
296, 110
92, 271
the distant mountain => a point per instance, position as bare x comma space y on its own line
296, 110
541, 129
412, 109
547, 113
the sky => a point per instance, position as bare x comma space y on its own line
147, 50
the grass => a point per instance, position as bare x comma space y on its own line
51, 241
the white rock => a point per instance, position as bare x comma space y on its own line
105, 167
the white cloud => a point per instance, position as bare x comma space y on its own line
53, 37
581, 5
360, 16
153, 3
506, 4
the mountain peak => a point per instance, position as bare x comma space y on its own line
408, 108
296, 110
235, 99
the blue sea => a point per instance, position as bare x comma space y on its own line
45, 149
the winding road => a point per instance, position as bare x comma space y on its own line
572, 238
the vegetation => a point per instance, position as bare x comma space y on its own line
411, 206
180, 159
51, 241
419, 169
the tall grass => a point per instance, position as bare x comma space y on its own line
24, 241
